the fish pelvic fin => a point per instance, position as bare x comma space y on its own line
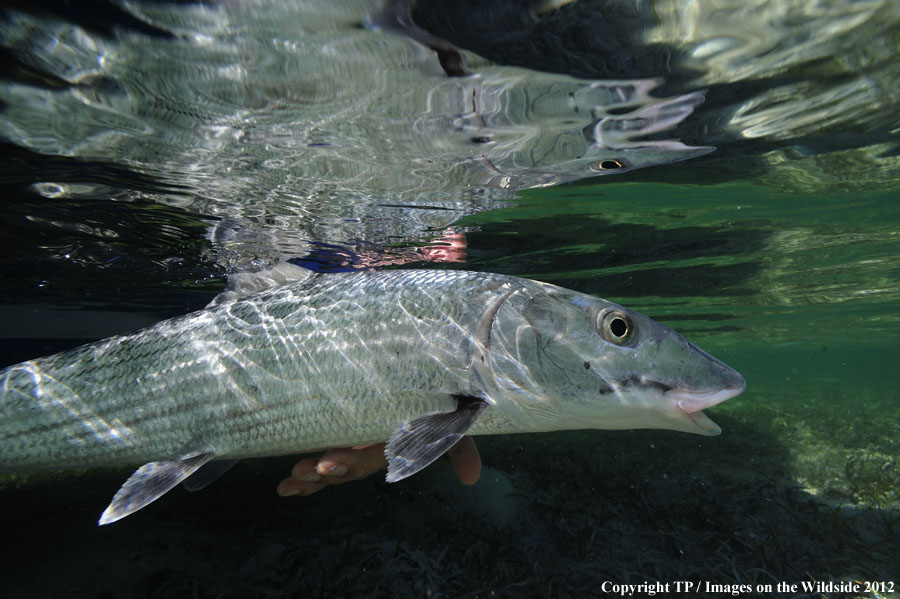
419, 442
150, 482
208, 474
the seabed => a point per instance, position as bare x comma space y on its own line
774, 499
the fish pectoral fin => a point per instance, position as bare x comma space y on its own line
417, 443
208, 474
149, 483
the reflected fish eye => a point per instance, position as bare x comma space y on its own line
610, 164
615, 326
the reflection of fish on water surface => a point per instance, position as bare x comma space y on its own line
773, 104
415, 357
289, 122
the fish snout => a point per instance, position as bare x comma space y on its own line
705, 380
691, 401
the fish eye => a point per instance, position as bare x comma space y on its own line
615, 326
610, 164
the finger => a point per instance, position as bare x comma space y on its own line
305, 469
303, 480
292, 486
337, 466
341, 465
466, 461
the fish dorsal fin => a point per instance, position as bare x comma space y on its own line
417, 443
149, 483
242, 284
208, 474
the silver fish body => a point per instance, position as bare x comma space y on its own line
345, 359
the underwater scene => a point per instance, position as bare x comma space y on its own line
729, 169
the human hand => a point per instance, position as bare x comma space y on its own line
338, 466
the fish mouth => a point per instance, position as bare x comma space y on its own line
692, 403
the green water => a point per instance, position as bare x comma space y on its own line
798, 291
807, 285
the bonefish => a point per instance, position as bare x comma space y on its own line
416, 358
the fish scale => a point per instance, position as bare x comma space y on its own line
414, 357
168, 387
